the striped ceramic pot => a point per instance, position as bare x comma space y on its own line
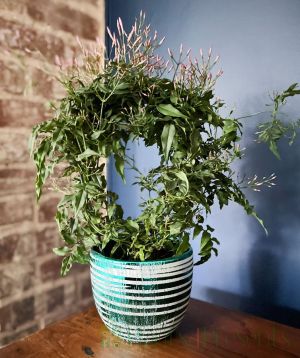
141, 301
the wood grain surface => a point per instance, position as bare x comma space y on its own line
207, 331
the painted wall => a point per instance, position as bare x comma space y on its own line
259, 45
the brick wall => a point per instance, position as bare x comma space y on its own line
32, 294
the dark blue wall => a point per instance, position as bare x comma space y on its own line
259, 45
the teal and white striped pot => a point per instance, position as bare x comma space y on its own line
141, 301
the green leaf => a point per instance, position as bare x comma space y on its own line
86, 154
184, 245
205, 241
260, 221
170, 110
121, 88
174, 98
141, 254
167, 137
175, 228
110, 210
97, 134
66, 265
119, 164
80, 201
132, 225
195, 141
209, 228
197, 230
115, 248
182, 176
61, 251
80, 256
274, 149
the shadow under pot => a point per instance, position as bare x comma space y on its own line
141, 301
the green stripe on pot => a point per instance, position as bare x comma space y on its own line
141, 301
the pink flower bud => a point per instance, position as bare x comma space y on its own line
57, 60
130, 34
121, 25
161, 41
181, 49
109, 33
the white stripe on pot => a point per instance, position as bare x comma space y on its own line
129, 290
137, 265
131, 282
168, 322
138, 298
139, 331
101, 306
143, 272
161, 325
139, 307
142, 340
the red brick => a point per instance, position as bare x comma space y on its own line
17, 278
85, 288
55, 298
22, 311
16, 210
14, 113
5, 314
78, 268
11, 173
19, 79
17, 6
42, 84
16, 181
58, 17
14, 148
8, 247
17, 247
12, 78
47, 209
93, 2
14, 35
50, 269
26, 28
47, 238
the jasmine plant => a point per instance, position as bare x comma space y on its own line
134, 93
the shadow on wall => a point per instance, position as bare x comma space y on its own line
284, 315
270, 275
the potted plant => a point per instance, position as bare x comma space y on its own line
141, 268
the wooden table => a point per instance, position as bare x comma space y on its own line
207, 331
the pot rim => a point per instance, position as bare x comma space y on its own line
97, 255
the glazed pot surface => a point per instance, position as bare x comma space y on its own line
141, 301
